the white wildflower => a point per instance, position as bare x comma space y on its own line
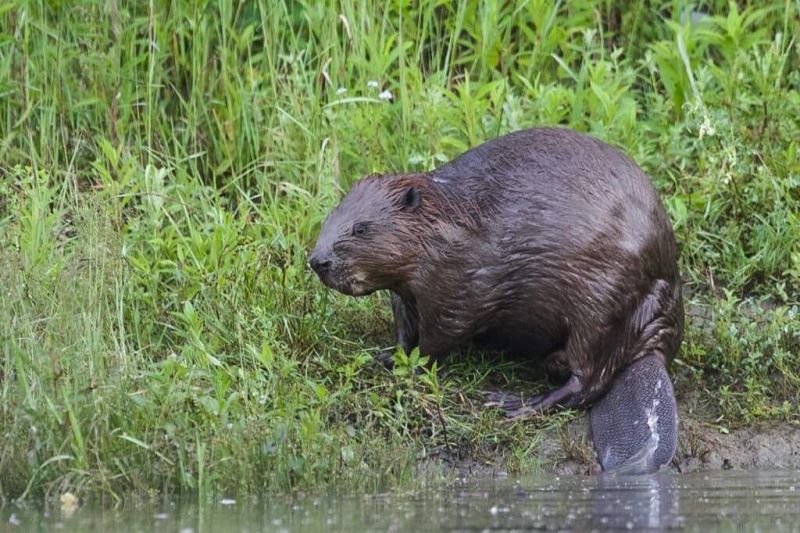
341, 90
386, 95
707, 128
372, 84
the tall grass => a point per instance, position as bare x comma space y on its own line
164, 166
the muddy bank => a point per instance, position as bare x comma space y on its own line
701, 446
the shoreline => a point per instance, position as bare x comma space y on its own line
702, 446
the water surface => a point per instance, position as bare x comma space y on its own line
729, 500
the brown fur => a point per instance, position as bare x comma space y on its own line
544, 242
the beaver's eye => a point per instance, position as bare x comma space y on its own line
360, 229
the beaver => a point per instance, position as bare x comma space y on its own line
544, 242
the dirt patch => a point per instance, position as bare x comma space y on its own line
701, 446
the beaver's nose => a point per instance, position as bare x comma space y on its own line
319, 265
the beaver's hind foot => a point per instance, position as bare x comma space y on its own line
516, 406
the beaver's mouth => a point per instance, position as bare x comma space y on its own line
349, 284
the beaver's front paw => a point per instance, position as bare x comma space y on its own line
385, 358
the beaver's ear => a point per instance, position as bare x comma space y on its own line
411, 198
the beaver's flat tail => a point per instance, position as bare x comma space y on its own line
635, 425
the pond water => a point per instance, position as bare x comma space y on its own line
728, 500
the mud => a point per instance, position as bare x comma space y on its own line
701, 446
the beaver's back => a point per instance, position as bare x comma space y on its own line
560, 191
572, 228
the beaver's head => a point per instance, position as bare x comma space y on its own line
371, 241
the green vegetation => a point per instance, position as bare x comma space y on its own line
165, 166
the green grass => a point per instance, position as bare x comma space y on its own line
163, 171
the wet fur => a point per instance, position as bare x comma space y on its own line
544, 242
